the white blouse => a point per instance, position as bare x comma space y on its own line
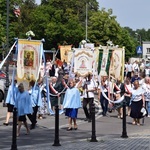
137, 94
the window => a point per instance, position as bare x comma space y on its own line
148, 50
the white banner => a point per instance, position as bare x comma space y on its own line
83, 61
29, 59
117, 63
104, 62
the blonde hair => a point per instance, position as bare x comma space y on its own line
73, 81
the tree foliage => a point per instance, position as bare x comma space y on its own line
63, 22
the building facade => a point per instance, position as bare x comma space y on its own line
146, 49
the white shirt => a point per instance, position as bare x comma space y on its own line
90, 86
135, 67
129, 67
146, 87
147, 71
137, 94
56, 72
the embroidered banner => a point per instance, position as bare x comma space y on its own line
117, 64
70, 53
83, 61
105, 58
64, 49
29, 59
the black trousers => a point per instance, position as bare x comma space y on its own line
129, 75
87, 111
32, 117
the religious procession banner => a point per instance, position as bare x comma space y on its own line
95, 60
29, 59
64, 49
83, 61
117, 64
104, 61
70, 54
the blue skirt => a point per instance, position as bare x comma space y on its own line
71, 112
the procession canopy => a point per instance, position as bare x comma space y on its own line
29, 59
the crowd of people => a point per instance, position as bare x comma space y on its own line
71, 91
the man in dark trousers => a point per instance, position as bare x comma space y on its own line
89, 87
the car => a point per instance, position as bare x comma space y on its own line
2, 74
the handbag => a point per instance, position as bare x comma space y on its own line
144, 111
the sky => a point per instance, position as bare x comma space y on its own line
130, 13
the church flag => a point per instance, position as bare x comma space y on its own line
105, 58
29, 59
83, 61
117, 63
64, 49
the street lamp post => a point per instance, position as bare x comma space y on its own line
7, 48
140, 40
86, 26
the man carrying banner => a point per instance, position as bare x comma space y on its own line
89, 87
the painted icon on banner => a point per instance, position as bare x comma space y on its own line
83, 64
28, 58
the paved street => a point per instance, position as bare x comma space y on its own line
108, 134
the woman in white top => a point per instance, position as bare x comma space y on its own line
146, 87
137, 102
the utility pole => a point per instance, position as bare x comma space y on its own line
86, 26
7, 49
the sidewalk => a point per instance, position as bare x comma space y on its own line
108, 135
106, 143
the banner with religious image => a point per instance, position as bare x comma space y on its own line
105, 58
83, 61
29, 59
70, 53
64, 49
95, 60
117, 64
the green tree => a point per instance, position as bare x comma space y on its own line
61, 21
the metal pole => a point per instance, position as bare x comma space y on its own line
56, 140
141, 44
7, 49
93, 137
14, 131
86, 26
124, 132
140, 41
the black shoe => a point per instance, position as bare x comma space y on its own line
75, 128
32, 127
6, 124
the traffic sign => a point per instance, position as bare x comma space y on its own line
139, 50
